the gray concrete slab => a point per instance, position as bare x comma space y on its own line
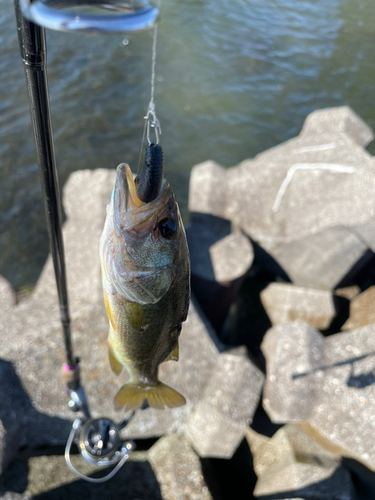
342, 119
178, 470
293, 463
285, 303
325, 382
324, 260
219, 421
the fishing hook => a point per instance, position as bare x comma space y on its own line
152, 122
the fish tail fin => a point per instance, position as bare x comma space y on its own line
132, 396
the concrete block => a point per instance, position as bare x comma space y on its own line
285, 401
324, 260
327, 383
178, 470
362, 310
219, 421
207, 190
342, 119
292, 463
285, 303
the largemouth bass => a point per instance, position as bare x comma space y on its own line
146, 283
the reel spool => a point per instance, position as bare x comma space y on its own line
99, 443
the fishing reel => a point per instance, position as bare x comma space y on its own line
99, 442
97, 439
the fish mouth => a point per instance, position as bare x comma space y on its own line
129, 210
133, 200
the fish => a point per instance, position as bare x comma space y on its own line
145, 268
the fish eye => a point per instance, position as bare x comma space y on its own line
167, 228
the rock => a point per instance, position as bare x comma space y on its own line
292, 464
280, 346
322, 195
348, 292
284, 303
16, 415
300, 187
219, 421
178, 470
366, 232
342, 119
327, 383
207, 191
7, 296
325, 260
320, 179
362, 310
220, 258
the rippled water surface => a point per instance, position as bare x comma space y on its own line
233, 78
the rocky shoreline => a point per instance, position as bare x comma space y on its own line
277, 354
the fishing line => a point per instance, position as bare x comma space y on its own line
151, 119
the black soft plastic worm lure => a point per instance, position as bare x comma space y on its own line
149, 182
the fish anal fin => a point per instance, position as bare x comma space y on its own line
115, 364
132, 396
174, 355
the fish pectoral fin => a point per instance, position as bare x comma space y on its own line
115, 364
132, 396
174, 355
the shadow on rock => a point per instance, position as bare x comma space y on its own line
21, 425
361, 273
220, 257
359, 381
365, 277
135, 481
15, 478
342, 309
362, 477
262, 423
268, 263
337, 486
247, 320
234, 478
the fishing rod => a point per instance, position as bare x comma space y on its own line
97, 439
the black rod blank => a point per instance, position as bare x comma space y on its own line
32, 43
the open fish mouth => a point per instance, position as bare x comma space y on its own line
147, 186
129, 210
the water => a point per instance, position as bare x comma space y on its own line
232, 79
